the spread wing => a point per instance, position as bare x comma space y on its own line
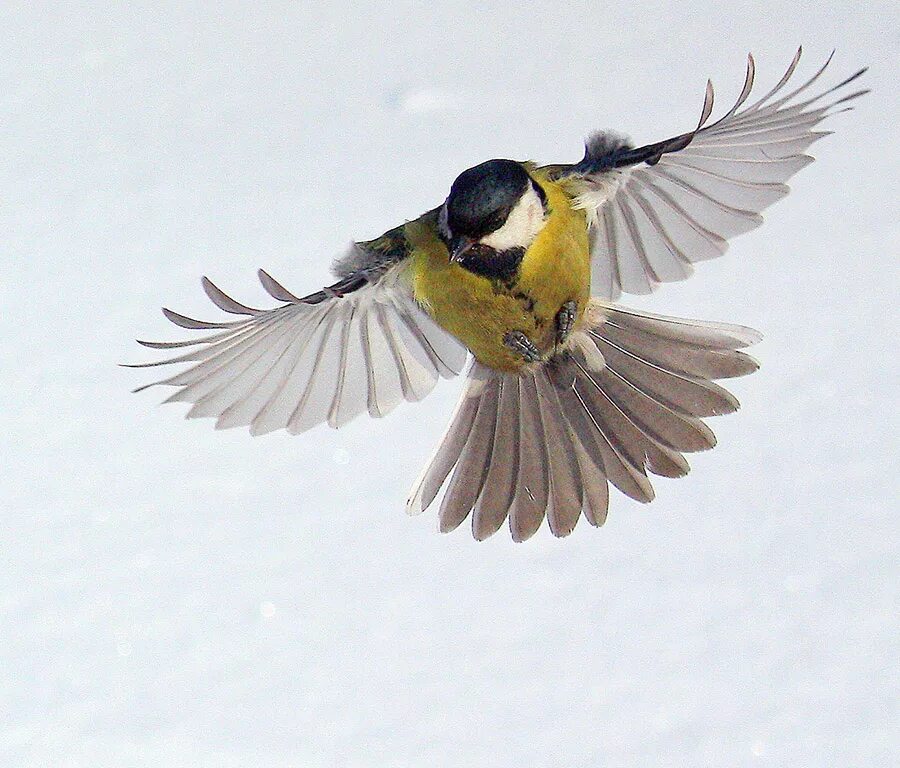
654, 211
360, 344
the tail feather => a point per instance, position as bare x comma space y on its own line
474, 460
533, 486
680, 355
624, 400
640, 448
565, 476
596, 488
655, 419
703, 334
500, 484
688, 395
624, 470
448, 451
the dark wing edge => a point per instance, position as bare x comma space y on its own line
357, 345
655, 210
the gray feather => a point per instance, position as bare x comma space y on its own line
622, 401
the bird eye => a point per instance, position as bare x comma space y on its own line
495, 220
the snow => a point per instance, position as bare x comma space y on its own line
175, 596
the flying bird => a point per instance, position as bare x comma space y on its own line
518, 270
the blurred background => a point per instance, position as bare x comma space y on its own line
175, 596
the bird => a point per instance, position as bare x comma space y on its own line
514, 280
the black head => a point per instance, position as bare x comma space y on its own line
482, 197
492, 214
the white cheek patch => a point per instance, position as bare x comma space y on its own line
525, 220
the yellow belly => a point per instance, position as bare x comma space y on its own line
480, 312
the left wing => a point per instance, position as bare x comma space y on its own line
654, 211
360, 344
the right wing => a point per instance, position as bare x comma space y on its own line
654, 211
360, 344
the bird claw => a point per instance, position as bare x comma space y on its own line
565, 321
518, 342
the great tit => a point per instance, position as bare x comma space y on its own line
519, 267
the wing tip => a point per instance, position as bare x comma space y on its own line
183, 321
275, 289
223, 301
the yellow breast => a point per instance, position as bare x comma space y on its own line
479, 311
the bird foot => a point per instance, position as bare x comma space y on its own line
565, 321
518, 342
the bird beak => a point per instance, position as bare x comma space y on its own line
459, 246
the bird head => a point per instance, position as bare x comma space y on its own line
493, 207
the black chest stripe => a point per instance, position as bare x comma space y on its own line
495, 265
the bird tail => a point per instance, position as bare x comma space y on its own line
625, 398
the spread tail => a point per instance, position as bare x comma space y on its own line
625, 398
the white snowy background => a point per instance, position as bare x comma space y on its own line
175, 596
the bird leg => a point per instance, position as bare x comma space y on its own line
518, 342
565, 320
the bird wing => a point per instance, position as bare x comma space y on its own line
360, 344
655, 210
